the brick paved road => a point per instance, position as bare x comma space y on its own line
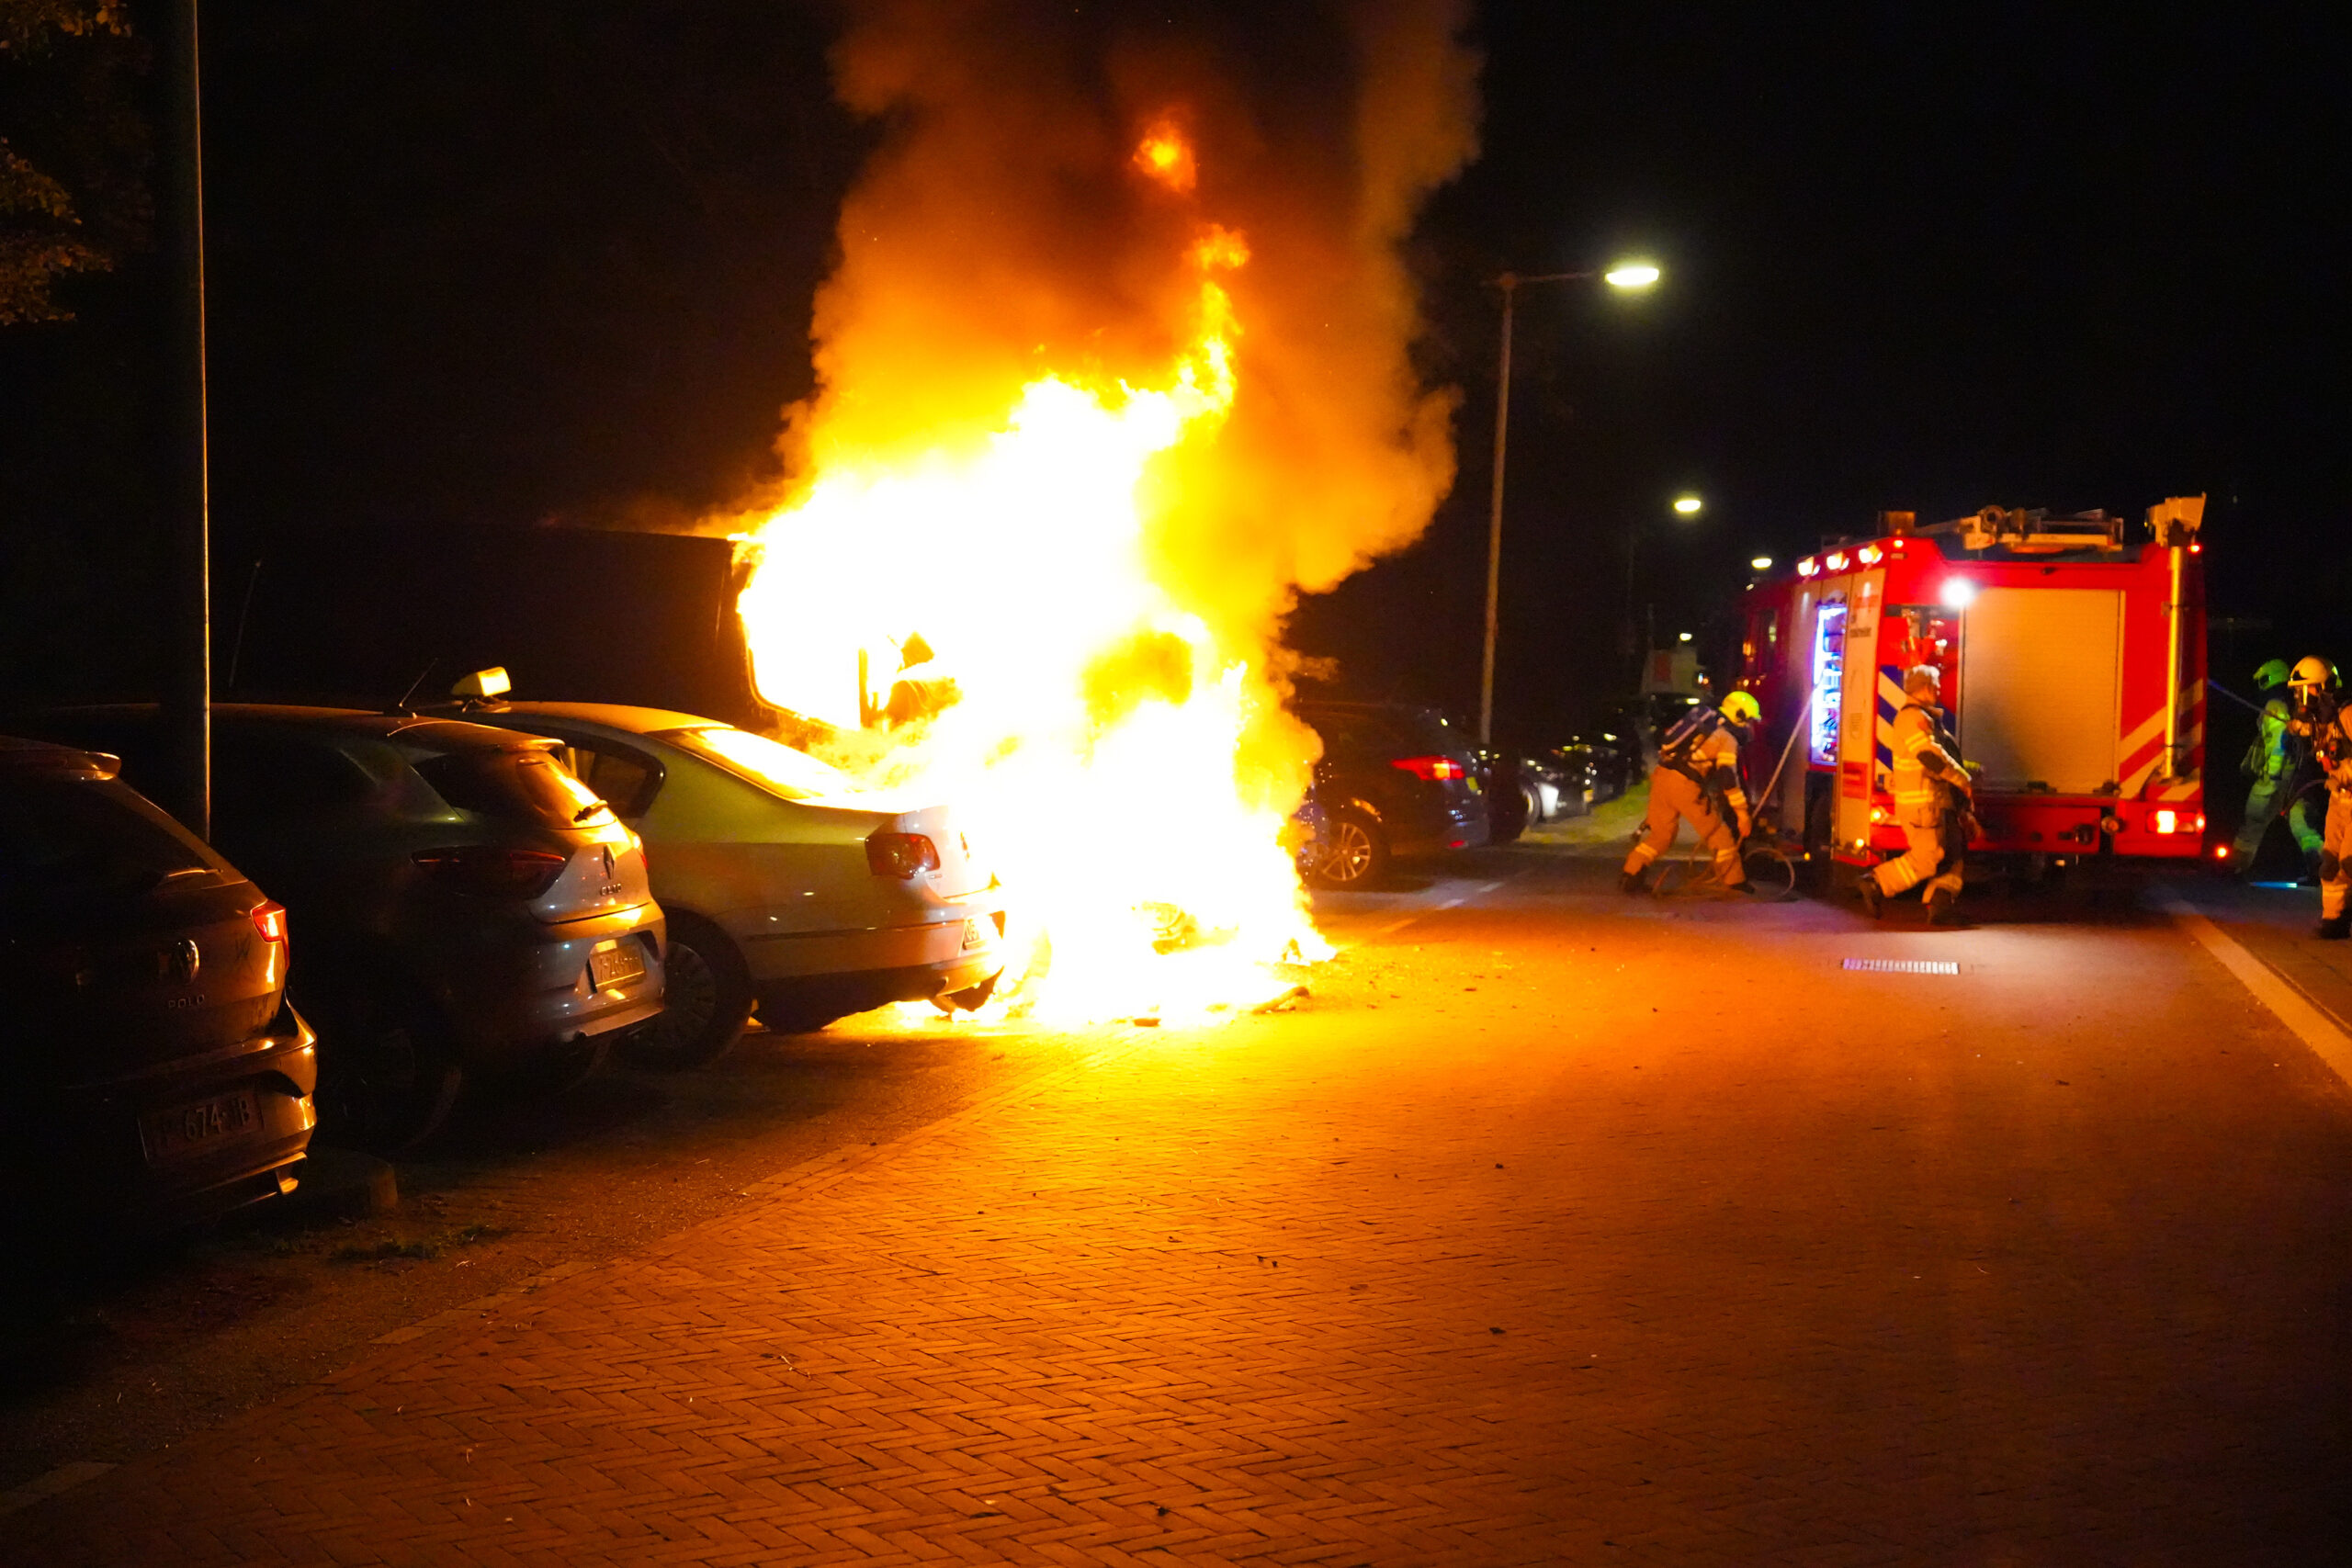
1557, 1228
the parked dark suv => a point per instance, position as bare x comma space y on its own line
155, 1069
466, 905
1395, 782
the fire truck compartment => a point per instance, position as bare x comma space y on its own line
2040, 683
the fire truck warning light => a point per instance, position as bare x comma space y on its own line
1959, 592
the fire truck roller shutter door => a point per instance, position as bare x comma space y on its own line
2040, 683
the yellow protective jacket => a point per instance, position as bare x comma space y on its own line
1920, 765
2331, 744
1714, 761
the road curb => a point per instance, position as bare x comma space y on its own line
2312, 1023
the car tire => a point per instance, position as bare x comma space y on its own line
971, 998
389, 1071
797, 1017
1357, 855
707, 1000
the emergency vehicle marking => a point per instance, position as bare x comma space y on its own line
1890, 698
2143, 748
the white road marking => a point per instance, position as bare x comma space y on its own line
2291, 1008
1393, 927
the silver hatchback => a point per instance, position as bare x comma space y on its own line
469, 906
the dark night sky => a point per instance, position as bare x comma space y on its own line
491, 264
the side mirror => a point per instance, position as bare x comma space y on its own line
483, 684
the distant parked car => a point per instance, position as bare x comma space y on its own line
1395, 782
1602, 758
1554, 787
786, 890
466, 905
156, 1069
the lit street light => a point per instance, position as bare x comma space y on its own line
1636, 645
1627, 275
1761, 563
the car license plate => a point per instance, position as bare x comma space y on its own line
184, 1129
616, 963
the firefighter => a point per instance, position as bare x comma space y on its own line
1746, 716
2268, 762
1931, 792
1696, 781
2319, 721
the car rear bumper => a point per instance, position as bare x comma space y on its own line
1461, 829
889, 963
523, 998
94, 1152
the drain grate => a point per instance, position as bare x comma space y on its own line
1903, 965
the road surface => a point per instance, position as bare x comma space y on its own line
1553, 1226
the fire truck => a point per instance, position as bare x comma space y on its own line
2072, 655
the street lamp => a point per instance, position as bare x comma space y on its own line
1686, 506
1761, 563
1624, 276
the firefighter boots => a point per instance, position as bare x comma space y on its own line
1632, 882
1873, 896
1943, 907
2335, 928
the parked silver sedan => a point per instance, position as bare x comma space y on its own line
786, 890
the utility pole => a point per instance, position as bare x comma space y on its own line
1508, 284
188, 525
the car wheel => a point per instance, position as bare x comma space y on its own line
1534, 798
971, 998
1357, 853
705, 1001
387, 1071
797, 1018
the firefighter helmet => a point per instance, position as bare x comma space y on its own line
1741, 707
2313, 673
1923, 677
2271, 675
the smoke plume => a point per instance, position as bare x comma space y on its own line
1002, 232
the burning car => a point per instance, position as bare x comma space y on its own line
786, 889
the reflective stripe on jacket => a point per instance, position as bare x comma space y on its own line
1918, 761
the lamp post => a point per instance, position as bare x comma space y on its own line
1631, 275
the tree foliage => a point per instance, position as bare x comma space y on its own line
74, 149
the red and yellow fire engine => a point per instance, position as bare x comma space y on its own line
2071, 653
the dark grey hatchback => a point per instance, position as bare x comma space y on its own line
467, 904
156, 1070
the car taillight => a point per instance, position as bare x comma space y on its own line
2167, 820
901, 855
1431, 768
271, 921
487, 871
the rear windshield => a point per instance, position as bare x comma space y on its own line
81, 841
773, 766
514, 786
1382, 732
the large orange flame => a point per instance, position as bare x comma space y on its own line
1107, 748
1077, 444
